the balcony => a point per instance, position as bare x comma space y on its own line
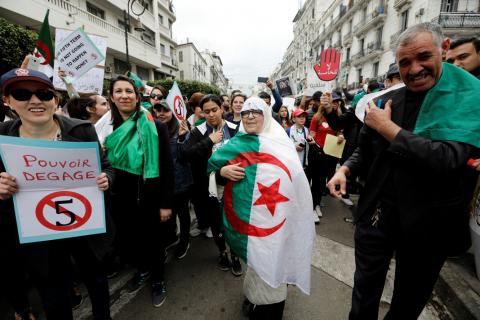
457, 20
373, 51
374, 19
347, 38
399, 4
394, 38
139, 48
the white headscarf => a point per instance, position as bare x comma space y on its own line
270, 128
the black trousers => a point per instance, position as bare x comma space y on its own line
272, 311
49, 266
417, 269
180, 209
321, 168
216, 223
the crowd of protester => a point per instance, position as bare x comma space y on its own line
144, 199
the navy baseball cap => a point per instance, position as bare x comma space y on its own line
393, 70
16, 75
336, 96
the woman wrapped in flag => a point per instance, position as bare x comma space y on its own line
266, 211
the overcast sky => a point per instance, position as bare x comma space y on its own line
250, 36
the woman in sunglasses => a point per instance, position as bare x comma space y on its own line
158, 93
31, 94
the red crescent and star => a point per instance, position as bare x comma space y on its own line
269, 197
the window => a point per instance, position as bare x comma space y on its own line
404, 20
379, 35
449, 6
347, 55
160, 19
96, 11
360, 77
158, 75
362, 45
313, 13
148, 5
143, 73
162, 48
120, 66
121, 24
149, 36
180, 56
375, 69
181, 75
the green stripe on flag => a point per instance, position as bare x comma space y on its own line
44, 43
240, 195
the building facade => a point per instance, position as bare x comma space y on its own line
215, 70
365, 32
191, 64
151, 46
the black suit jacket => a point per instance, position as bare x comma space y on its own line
432, 183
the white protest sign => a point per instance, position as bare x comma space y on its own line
58, 195
176, 103
92, 80
315, 84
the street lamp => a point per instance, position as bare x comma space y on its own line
126, 20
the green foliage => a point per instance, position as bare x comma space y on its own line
187, 87
15, 43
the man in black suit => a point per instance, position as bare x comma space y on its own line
415, 201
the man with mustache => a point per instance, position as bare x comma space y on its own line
415, 202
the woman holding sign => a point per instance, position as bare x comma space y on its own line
139, 150
31, 94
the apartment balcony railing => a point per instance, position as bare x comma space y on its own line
347, 38
394, 38
358, 55
373, 50
399, 4
374, 19
458, 20
110, 28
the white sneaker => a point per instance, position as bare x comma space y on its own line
347, 201
315, 217
318, 211
209, 233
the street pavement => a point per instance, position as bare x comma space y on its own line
197, 289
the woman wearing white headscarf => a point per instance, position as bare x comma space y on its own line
282, 256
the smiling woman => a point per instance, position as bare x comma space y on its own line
266, 205
31, 94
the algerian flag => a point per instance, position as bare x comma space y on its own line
268, 214
176, 103
43, 55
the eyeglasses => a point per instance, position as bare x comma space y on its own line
25, 95
156, 96
254, 113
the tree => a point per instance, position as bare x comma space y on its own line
16, 42
187, 87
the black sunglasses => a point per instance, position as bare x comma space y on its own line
25, 95
156, 96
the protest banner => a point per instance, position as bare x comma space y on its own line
327, 70
176, 103
58, 195
315, 84
92, 80
283, 86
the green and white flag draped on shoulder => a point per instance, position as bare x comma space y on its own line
268, 214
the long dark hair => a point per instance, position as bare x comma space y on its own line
172, 125
117, 119
77, 107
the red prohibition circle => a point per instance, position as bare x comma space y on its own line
47, 201
177, 107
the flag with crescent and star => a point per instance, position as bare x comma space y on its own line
268, 214
43, 56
